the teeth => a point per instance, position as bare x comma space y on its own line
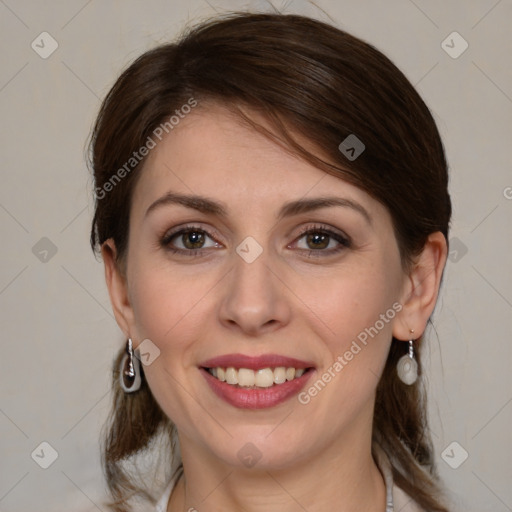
245, 377
231, 376
263, 378
280, 375
290, 373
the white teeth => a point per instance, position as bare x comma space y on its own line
246, 377
231, 376
280, 375
263, 378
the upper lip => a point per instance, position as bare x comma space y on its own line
255, 362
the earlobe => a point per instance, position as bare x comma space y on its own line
421, 288
117, 287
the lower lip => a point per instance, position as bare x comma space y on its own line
256, 398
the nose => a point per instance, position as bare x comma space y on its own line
255, 300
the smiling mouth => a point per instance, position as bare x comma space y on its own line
254, 379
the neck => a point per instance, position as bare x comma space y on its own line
345, 475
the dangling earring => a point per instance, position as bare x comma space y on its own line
129, 373
407, 367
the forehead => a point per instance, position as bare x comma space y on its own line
212, 152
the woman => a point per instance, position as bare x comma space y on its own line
272, 211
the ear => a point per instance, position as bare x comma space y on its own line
421, 288
117, 288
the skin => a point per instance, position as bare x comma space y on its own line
308, 304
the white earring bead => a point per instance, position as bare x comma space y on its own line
407, 367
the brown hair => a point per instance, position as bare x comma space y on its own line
313, 79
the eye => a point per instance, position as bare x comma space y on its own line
321, 240
188, 240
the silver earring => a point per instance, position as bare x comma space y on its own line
129, 372
407, 367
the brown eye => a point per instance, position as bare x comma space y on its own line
193, 239
317, 240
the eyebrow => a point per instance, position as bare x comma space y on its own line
308, 205
209, 206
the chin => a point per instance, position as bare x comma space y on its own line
255, 449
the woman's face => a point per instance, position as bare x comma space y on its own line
240, 251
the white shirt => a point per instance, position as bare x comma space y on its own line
396, 499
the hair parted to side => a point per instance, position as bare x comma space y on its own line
318, 81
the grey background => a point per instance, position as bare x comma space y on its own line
58, 332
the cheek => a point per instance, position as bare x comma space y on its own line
355, 346
347, 303
168, 308
353, 316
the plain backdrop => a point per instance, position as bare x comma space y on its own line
58, 333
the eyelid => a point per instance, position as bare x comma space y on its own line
318, 226
209, 231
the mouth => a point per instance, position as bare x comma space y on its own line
256, 382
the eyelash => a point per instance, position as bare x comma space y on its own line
344, 242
